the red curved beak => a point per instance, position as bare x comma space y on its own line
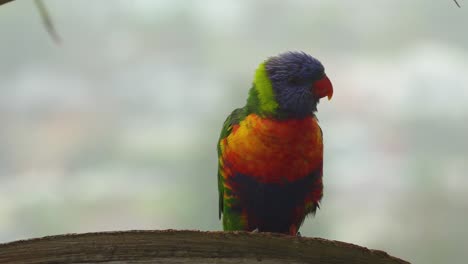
323, 87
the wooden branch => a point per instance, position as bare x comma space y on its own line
187, 247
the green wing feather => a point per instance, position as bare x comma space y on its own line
234, 118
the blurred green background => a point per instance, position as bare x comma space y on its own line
116, 128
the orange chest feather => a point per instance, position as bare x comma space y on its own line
273, 150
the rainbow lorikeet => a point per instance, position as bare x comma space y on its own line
270, 151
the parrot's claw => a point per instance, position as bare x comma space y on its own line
255, 230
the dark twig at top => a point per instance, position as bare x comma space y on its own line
47, 21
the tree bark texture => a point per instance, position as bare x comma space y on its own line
173, 246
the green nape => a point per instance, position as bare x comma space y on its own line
261, 98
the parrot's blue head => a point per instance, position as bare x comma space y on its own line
298, 82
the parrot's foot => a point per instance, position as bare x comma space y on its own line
255, 230
298, 234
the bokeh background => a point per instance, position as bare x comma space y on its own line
116, 128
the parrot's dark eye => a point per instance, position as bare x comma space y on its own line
293, 81
319, 76
297, 81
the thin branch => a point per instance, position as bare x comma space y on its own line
456, 2
5, 1
47, 21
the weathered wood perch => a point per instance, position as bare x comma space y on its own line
187, 247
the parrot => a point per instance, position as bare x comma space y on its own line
270, 152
